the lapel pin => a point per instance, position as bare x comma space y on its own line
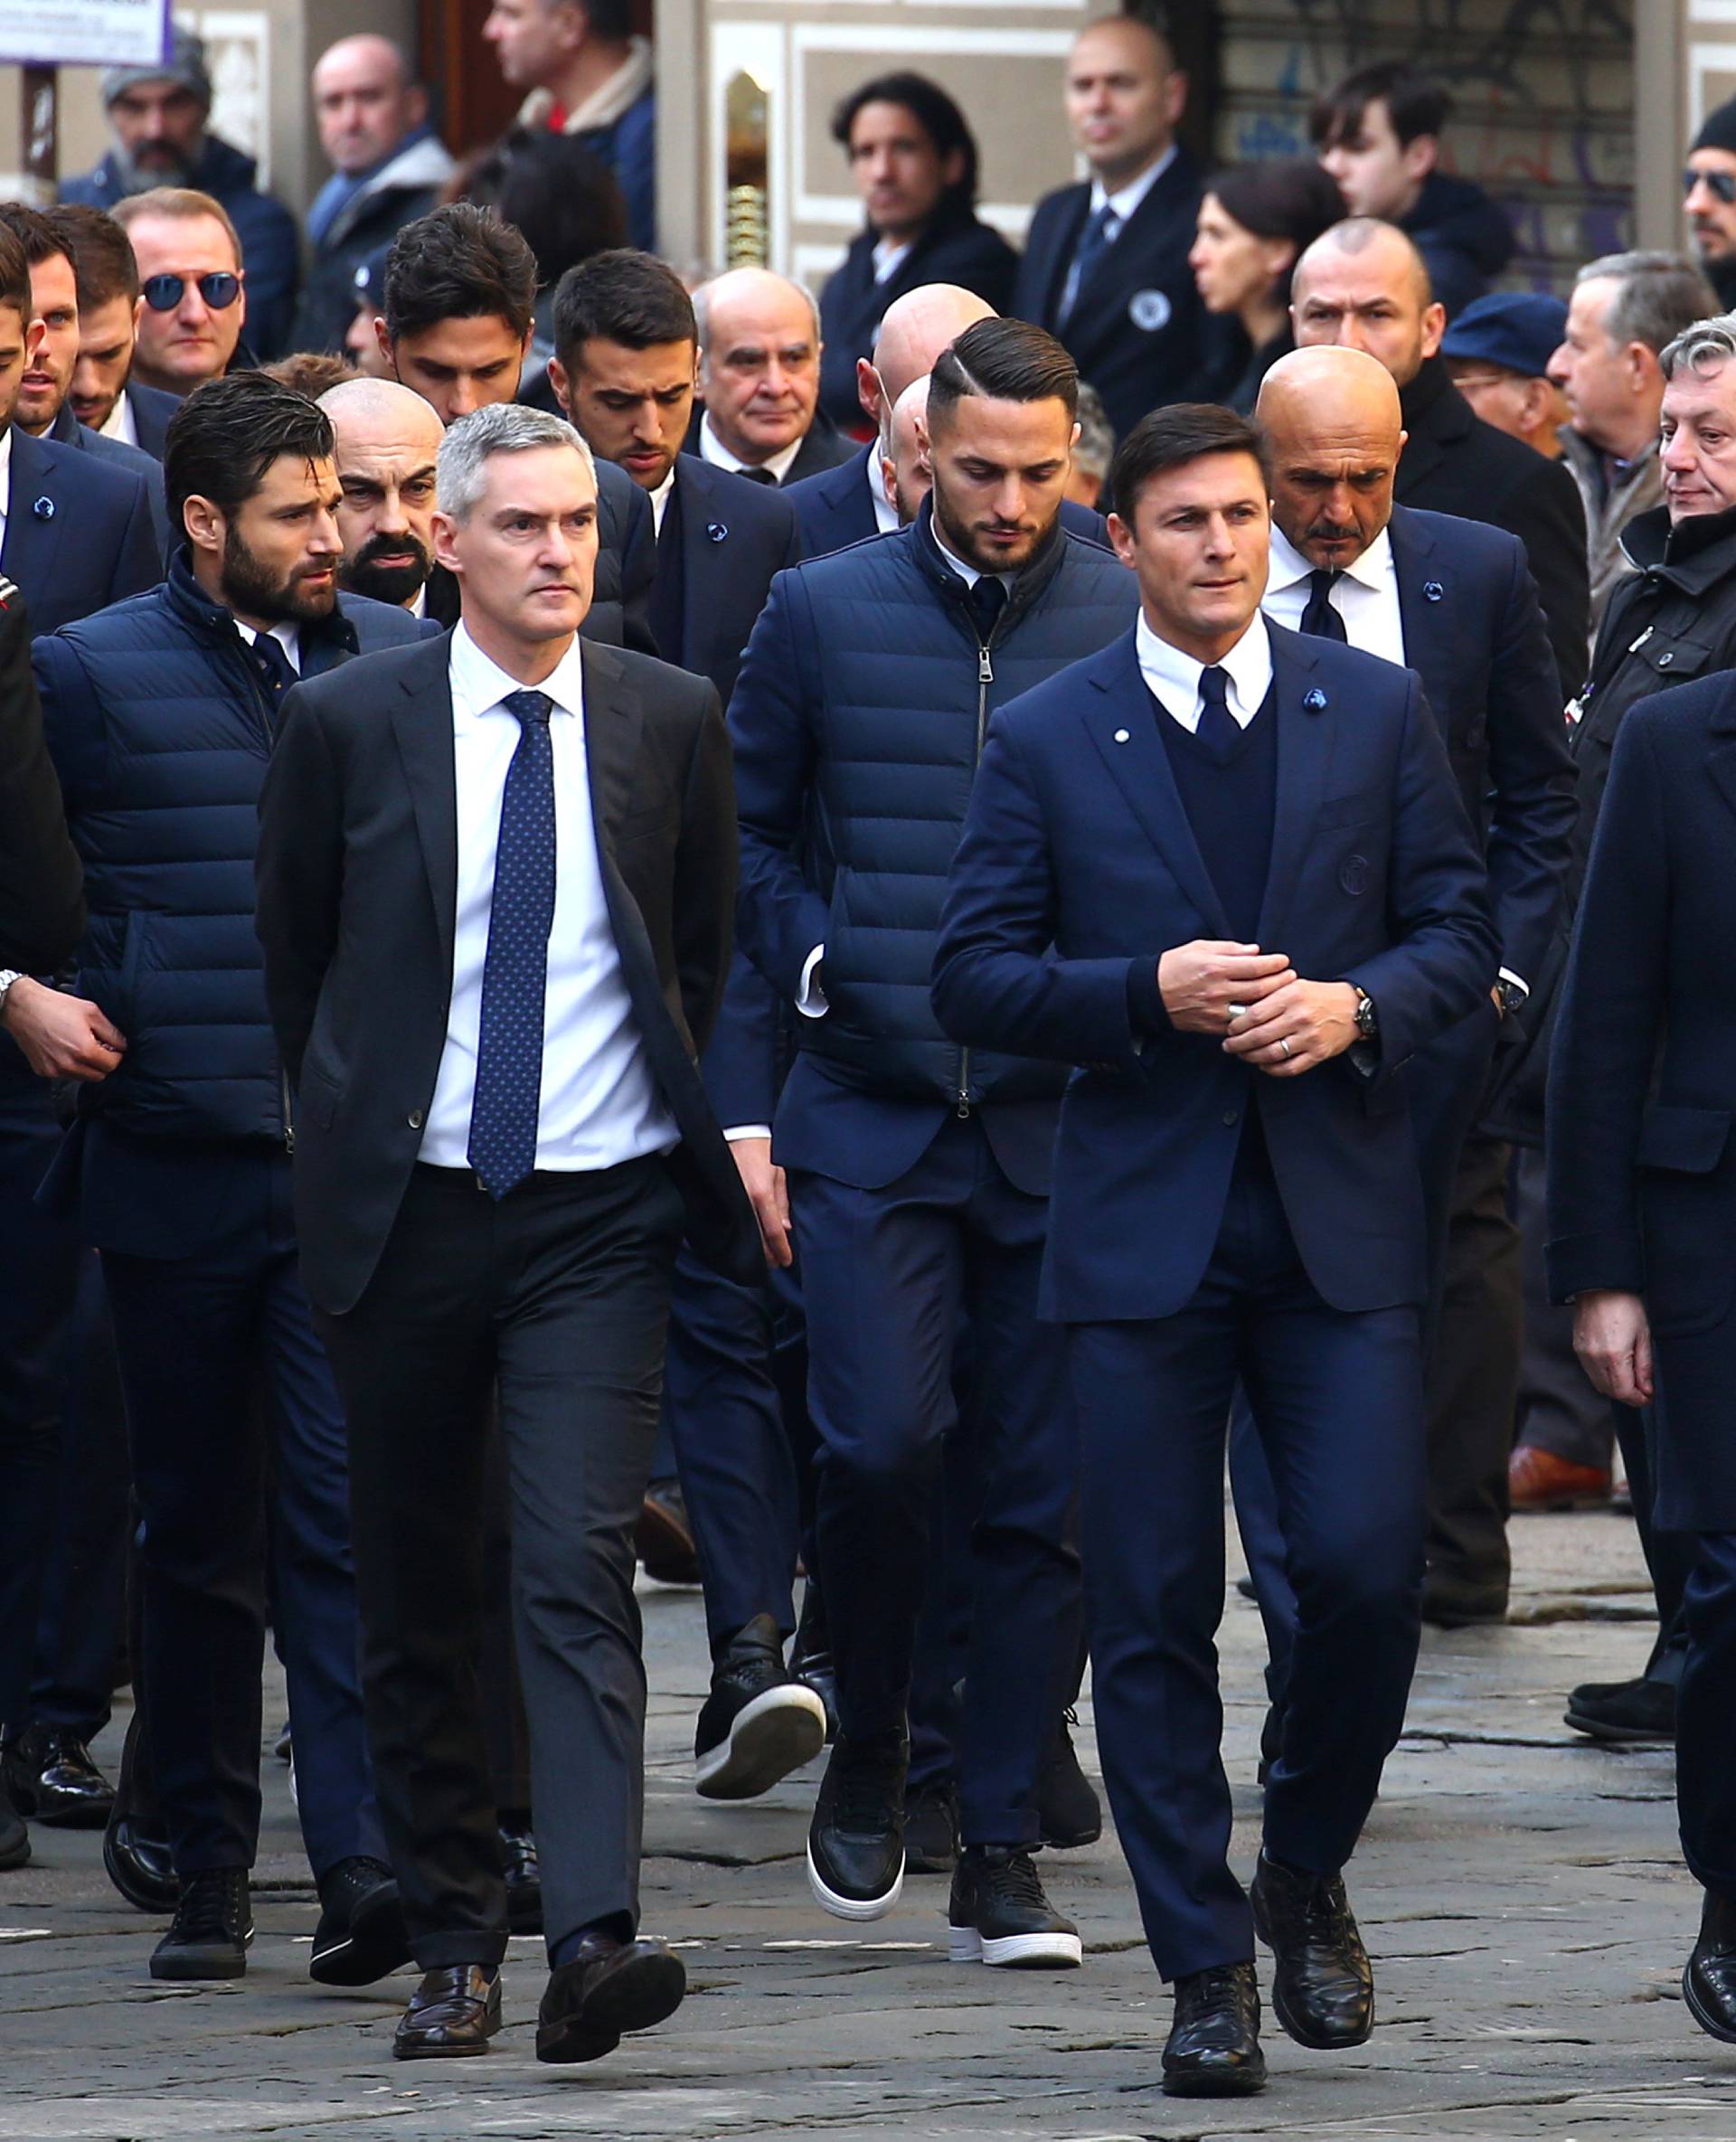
1315, 700
1120, 736
1432, 592
43, 509
716, 531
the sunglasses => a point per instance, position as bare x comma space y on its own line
1719, 185
220, 290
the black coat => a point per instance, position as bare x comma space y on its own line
1455, 462
953, 249
41, 899
1137, 330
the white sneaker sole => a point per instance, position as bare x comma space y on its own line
858, 1909
1055, 1952
773, 1735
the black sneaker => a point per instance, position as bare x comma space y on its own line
757, 1724
212, 1926
1068, 1808
14, 1839
931, 1829
361, 1933
1623, 1711
999, 1914
855, 1842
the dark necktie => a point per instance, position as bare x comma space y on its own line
515, 973
759, 475
988, 600
276, 673
1319, 617
1217, 731
1094, 241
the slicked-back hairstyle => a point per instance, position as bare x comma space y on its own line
1658, 296
497, 428
933, 110
33, 232
101, 252
227, 434
1003, 361
459, 262
1416, 103
626, 297
1171, 438
181, 204
14, 275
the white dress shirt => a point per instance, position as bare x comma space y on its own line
118, 423
890, 253
712, 449
5, 479
885, 511
1173, 678
1365, 595
599, 1104
283, 632
660, 500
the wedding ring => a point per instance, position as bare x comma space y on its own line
1237, 1011
1285, 1046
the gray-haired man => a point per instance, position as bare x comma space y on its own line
759, 380
496, 883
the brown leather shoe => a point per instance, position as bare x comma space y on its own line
453, 2012
1537, 1480
608, 1987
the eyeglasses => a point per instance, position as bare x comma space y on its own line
1719, 185
219, 289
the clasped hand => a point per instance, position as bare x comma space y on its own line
1257, 1003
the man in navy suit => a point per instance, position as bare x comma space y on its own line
103, 394
1225, 873
1452, 601
1105, 264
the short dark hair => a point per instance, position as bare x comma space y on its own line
559, 196
626, 297
1171, 438
101, 252
933, 110
1289, 197
459, 262
14, 274
312, 372
226, 435
1416, 103
33, 232
1005, 361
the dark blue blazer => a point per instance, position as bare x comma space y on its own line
832, 509
1474, 632
1138, 331
67, 431
78, 533
152, 410
736, 537
1641, 1086
1079, 869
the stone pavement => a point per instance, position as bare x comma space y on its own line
1520, 1892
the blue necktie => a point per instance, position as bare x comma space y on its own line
1320, 617
515, 973
1094, 241
1217, 730
275, 671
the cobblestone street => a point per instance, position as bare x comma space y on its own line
1520, 1889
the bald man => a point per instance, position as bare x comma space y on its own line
1363, 286
388, 442
905, 469
388, 168
1453, 601
759, 380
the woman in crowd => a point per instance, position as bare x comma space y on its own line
1255, 223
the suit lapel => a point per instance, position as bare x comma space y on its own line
1064, 238
614, 720
1428, 631
1305, 737
421, 721
1721, 764
33, 538
699, 619
1123, 724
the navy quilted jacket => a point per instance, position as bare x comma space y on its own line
858, 720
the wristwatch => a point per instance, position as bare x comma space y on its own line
8, 976
1509, 995
1368, 1020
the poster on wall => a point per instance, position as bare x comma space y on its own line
83, 33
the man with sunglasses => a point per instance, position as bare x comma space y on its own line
1709, 198
192, 289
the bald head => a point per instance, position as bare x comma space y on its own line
1363, 286
388, 441
915, 330
365, 100
1332, 417
905, 452
758, 361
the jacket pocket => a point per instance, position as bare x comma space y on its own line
1350, 810
317, 1096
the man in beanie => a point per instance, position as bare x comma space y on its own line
1709, 186
157, 116
1497, 353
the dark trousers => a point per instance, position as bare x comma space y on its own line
235, 1424
1558, 1410
889, 1276
1338, 1399
1705, 1715
554, 1300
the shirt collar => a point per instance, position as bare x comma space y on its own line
969, 574
1129, 196
286, 635
1165, 668
660, 500
118, 423
712, 449
418, 604
5, 453
1372, 569
479, 684
885, 511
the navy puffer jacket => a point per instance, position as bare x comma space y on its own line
161, 730
858, 720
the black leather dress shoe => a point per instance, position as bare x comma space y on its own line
523, 1875
212, 1929
1626, 1712
14, 1839
1213, 2049
609, 1988
52, 1779
454, 2011
1323, 1990
663, 1538
1709, 1983
135, 1853
361, 1933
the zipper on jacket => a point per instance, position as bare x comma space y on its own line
289, 1113
984, 678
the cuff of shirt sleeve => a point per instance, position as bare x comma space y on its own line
1519, 982
748, 1130
1146, 1011
811, 1000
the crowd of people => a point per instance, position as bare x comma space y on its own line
834, 944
